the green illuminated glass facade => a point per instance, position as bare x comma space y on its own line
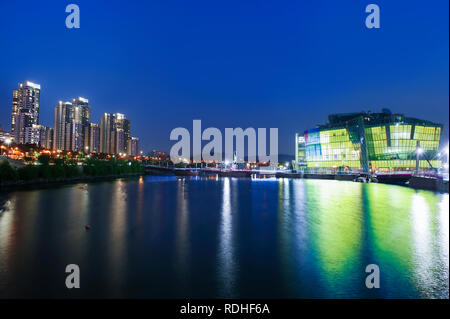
372, 141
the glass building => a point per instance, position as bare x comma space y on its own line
369, 142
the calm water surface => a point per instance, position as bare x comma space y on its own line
163, 237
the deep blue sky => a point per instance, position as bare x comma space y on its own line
285, 64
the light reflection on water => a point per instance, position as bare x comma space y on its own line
225, 237
226, 253
182, 246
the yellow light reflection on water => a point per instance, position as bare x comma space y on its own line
335, 214
410, 238
390, 233
117, 232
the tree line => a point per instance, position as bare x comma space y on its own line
49, 168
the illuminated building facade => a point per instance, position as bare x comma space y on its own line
25, 109
94, 138
39, 135
81, 120
121, 133
133, 146
370, 142
114, 133
62, 134
71, 125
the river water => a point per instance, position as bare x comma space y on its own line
224, 237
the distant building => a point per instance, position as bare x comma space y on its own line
122, 133
133, 146
94, 138
80, 124
114, 133
106, 133
40, 135
72, 124
158, 154
370, 141
48, 138
62, 134
25, 109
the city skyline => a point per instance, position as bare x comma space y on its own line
257, 66
72, 128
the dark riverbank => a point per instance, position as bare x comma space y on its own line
43, 183
58, 172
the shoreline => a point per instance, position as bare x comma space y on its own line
38, 183
419, 183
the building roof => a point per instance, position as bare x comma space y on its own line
369, 118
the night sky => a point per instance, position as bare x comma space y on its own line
235, 63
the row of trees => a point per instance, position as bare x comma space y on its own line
59, 168
94, 167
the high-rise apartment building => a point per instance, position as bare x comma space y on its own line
48, 138
106, 132
72, 123
80, 124
133, 146
25, 109
114, 133
94, 138
39, 135
63, 117
122, 133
